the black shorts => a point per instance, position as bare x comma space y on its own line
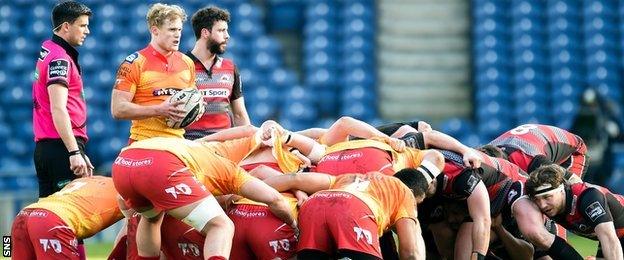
52, 165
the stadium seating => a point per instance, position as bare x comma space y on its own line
338, 54
545, 53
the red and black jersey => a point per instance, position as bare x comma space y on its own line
530, 146
458, 181
588, 205
220, 84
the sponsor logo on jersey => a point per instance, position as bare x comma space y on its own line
130, 59
595, 210
58, 68
472, 183
212, 93
43, 53
165, 91
127, 162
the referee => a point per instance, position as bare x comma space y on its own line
59, 108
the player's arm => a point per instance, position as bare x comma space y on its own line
239, 111
518, 248
257, 190
79, 163
479, 210
230, 133
314, 133
306, 182
411, 242
595, 210
611, 247
122, 107
443, 141
348, 126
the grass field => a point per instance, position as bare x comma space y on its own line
585, 246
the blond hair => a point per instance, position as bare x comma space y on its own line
159, 13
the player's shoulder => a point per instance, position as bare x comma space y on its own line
51, 51
135, 57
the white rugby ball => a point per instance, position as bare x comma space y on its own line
193, 106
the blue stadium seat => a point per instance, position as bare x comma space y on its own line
358, 9
490, 25
358, 93
267, 44
321, 9
563, 8
265, 61
320, 77
260, 112
357, 43
300, 110
320, 58
527, 8
490, 8
282, 78
356, 58
456, 126
326, 99
358, 109
471, 140
530, 92
261, 93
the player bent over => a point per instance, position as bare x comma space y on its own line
588, 210
51, 227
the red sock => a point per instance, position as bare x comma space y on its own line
119, 251
149, 257
82, 253
216, 257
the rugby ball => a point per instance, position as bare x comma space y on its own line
193, 106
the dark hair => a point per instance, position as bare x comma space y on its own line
206, 17
414, 180
493, 151
68, 11
551, 174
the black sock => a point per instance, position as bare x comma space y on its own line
560, 249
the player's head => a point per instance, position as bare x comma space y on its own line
416, 181
165, 25
545, 187
211, 23
493, 151
71, 21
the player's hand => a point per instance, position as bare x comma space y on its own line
396, 144
171, 110
424, 127
497, 221
301, 197
79, 165
472, 159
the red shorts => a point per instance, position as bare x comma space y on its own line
179, 240
360, 160
41, 234
146, 178
330, 221
260, 235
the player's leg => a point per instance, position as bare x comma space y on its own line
206, 215
22, 247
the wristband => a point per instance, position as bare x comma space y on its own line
75, 152
479, 255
